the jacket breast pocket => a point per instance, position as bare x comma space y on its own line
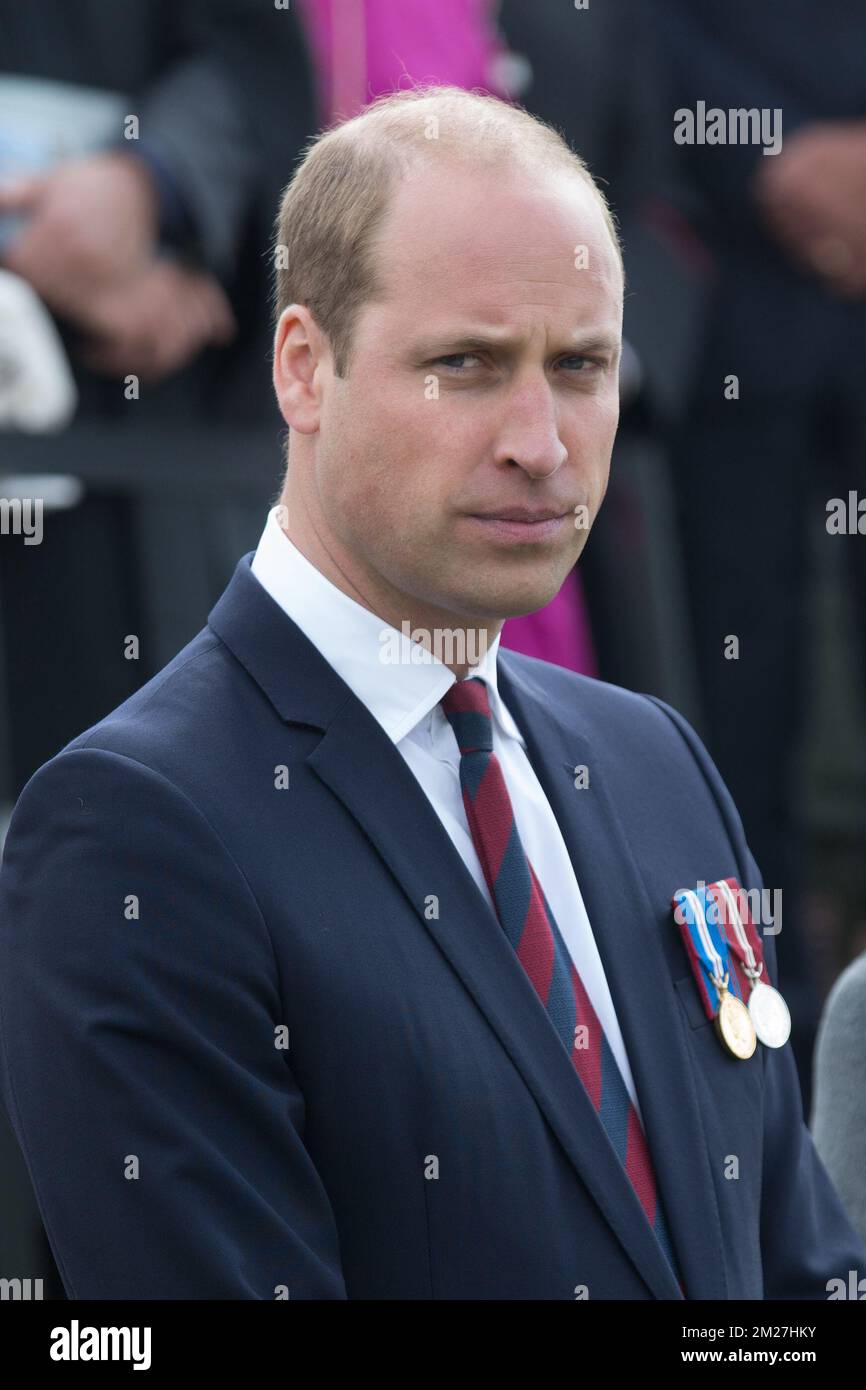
691, 1001
731, 1080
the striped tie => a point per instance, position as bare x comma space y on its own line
530, 926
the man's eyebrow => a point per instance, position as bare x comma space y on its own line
477, 341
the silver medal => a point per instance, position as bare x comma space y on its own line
770, 1015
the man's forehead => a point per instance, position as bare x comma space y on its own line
437, 317
500, 301
430, 324
523, 238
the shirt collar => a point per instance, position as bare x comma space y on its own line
370, 655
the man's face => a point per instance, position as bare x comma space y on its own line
486, 380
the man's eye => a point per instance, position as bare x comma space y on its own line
453, 358
585, 361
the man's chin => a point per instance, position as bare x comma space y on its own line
519, 600
498, 605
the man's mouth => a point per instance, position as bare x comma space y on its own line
522, 524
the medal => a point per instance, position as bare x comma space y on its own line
707, 948
734, 1025
770, 1015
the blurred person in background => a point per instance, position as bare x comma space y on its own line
785, 235
838, 1120
148, 253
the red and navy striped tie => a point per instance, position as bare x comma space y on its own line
530, 926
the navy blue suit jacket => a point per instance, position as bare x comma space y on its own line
424, 1134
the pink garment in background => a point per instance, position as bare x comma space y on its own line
380, 46
558, 632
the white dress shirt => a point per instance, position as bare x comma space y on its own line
403, 697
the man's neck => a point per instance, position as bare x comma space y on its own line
459, 645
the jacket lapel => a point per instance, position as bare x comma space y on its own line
360, 766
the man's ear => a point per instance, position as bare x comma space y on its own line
299, 352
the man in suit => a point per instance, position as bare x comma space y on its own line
335, 967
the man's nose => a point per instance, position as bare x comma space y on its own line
529, 435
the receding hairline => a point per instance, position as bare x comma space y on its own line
334, 208
510, 175
475, 131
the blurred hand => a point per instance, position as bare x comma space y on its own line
813, 200
90, 223
155, 323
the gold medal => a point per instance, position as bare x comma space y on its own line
732, 1020
734, 1024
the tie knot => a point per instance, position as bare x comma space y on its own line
467, 708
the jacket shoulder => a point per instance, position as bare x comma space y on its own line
604, 708
178, 708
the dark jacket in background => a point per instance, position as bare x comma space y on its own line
776, 323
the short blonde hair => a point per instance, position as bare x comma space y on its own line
333, 206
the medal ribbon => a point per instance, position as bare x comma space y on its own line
696, 915
743, 937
